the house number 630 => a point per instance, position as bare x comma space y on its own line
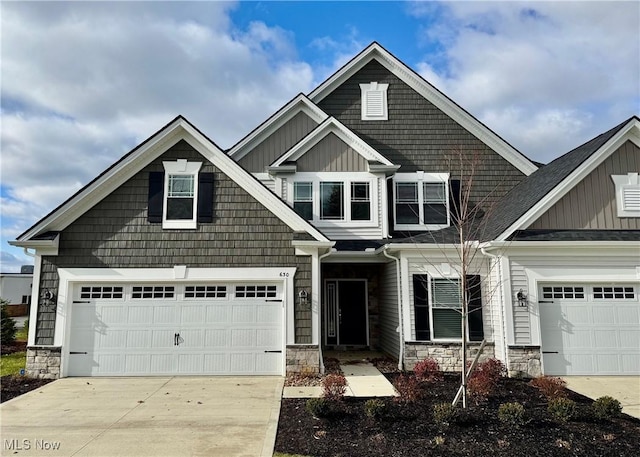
284, 274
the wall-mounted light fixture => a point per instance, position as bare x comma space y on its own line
48, 298
522, 298
303, 298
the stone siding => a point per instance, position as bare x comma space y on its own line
303, 359
524, 361
43, 362
446, 354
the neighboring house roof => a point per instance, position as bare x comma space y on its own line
300, 103
538, 192
125, 168
433, 95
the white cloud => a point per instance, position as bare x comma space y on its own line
546, 76
10, 263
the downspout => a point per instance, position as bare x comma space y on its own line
502, 304
327, 254
400, 319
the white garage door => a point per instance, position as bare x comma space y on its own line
171, 329
590, 329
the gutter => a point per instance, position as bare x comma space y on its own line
400, 326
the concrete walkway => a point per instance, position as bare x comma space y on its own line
625, 389
179, 416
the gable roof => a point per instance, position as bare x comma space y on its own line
125, 168
332, 125
300, 103
429, 92
538, 192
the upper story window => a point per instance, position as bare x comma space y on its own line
374, 101
421, 201
335, 198
627, 194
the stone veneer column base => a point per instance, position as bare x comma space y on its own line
43, 362
446, 354
303, 359
524, 361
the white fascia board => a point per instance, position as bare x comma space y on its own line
42, 247
560, 248
429, 92
331, 125
410, 247
299, 104
249, 183
631, 132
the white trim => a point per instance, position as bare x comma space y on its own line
425, 89
420, 177
631, 132
409, 334
180, 167
299, 104
627, 194
35, 299
365, 91
42, 247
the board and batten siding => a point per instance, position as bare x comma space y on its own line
418, 135
115, 234
388, 302
591, 204
521, 317
331, 154
279, 142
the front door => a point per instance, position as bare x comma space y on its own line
346, 312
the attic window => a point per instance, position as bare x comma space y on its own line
374, 101
627, 194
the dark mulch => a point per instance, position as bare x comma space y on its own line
409, 429
16, 346
14, 386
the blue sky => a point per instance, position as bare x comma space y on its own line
84, 82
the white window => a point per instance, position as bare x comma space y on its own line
627, 194
374, 101
303, 199
421, 201
446, 308
181, 195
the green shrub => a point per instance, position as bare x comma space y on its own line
444, 413
562, 409
511, 413
549, 386
605, 408
318, 407
334, 386
374, 408
8, 326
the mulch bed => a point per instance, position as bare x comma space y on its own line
14, 386
16, 346
408, 429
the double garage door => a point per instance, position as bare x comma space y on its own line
171, 329
590, 329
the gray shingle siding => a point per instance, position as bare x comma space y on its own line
418, 135
115, 234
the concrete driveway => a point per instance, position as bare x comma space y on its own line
625, 389
169, 416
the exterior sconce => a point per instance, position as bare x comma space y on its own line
303, 299
522, 298
48, 298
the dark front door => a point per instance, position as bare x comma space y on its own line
346, 312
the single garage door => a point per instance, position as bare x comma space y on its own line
590, 329
173, 329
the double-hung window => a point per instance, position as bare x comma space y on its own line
181, 195
332, 201
360, 201
421, 201
303, 199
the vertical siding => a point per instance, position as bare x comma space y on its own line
389, 322
331, 154
115, 234
418, 136
278, 143
521, 318
592, 203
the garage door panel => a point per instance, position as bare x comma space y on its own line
192, 314
139, 339
242, 362
244, 314
604, 315
163, 339
114, 339
243, 338
268, 338
217, 338
107, 364
219, 313
269, 313
190, 363
608, 363
630, 339
113, 314
628, 314
216, 363
137, 363
606, 339
192, 338
630, 363
163, 363
162, 314
138, 315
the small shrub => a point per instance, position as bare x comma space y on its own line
511, 413
408, 388
444, 414
562, 409
428, 370
494, 368
484, 380
605, 408
318, 407
550, 387
8, 326
333, 387
374, 408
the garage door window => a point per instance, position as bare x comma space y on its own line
102, 292
256, 292
563, 292
142, 292
614, 293
205, 292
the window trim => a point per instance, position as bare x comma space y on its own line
365, 91
628, 182
346, 179
180, 167
420, 177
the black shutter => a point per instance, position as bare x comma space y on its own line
205, 197
156, 188
476, 330
421, 306
454, 200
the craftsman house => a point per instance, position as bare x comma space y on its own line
334, 225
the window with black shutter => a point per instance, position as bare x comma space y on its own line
421, 306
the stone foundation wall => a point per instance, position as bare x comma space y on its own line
524, 361
446, 354
303, 359
43, 362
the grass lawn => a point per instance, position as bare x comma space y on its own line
12, 363
22, 334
